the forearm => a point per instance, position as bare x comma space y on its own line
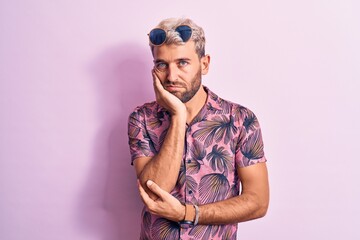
164, 168
241, 208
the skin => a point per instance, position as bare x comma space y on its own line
177, 85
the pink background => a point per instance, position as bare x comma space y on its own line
71, 71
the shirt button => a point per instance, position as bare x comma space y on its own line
189, 161
190, 192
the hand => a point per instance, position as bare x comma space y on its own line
166, 99
166, 205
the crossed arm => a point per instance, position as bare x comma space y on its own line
158, 175
252, 203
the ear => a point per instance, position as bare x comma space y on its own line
205, 64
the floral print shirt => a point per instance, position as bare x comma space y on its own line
222, 137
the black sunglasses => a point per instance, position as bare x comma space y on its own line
157, 36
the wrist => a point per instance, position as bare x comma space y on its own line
189, 213
182, 213
191, 217
179, 117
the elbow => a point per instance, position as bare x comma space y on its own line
262, 212
260, 206
262, 209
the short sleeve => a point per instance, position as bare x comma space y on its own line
139, 142
250, 147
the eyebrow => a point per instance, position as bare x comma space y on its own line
176, 60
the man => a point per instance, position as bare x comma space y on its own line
191, 149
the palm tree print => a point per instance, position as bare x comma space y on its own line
193, 166
152, 139
220, 159
204, 232
197, 151
240, 112
156, 121
229, 234
139, 146
164, 229
191, 184
234, 191
240, 137
250, 121
253, 147
147, 219
213, 96
220, 127
146, 225
213, 187
225, 106
201, 116
233, 147
212, 109
182, 175
133, 131
148, 111
133, 127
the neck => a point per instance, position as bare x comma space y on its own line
194, 105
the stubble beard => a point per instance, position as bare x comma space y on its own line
194, 88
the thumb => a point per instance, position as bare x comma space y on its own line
154, 188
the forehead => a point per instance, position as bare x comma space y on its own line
173, 51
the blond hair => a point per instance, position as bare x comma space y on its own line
173, 37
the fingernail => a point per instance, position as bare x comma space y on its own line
149, 183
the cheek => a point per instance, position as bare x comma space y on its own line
162, 78
189, 71
192, 71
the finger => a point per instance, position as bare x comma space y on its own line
157, 84
156, 80
143, 194
153, 74
155, 188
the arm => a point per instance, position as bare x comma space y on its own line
252, 203
164, 167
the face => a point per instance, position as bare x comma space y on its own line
179, 69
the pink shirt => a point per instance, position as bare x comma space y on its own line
223, 136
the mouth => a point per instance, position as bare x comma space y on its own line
172, 88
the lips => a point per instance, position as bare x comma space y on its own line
172, 88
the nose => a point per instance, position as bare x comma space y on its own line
172, 73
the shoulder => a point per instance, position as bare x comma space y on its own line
240, 112
145, 110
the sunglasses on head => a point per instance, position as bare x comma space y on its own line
158, 36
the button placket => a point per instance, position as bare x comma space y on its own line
187, 161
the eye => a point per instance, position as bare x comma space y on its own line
161, 66
183, 63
